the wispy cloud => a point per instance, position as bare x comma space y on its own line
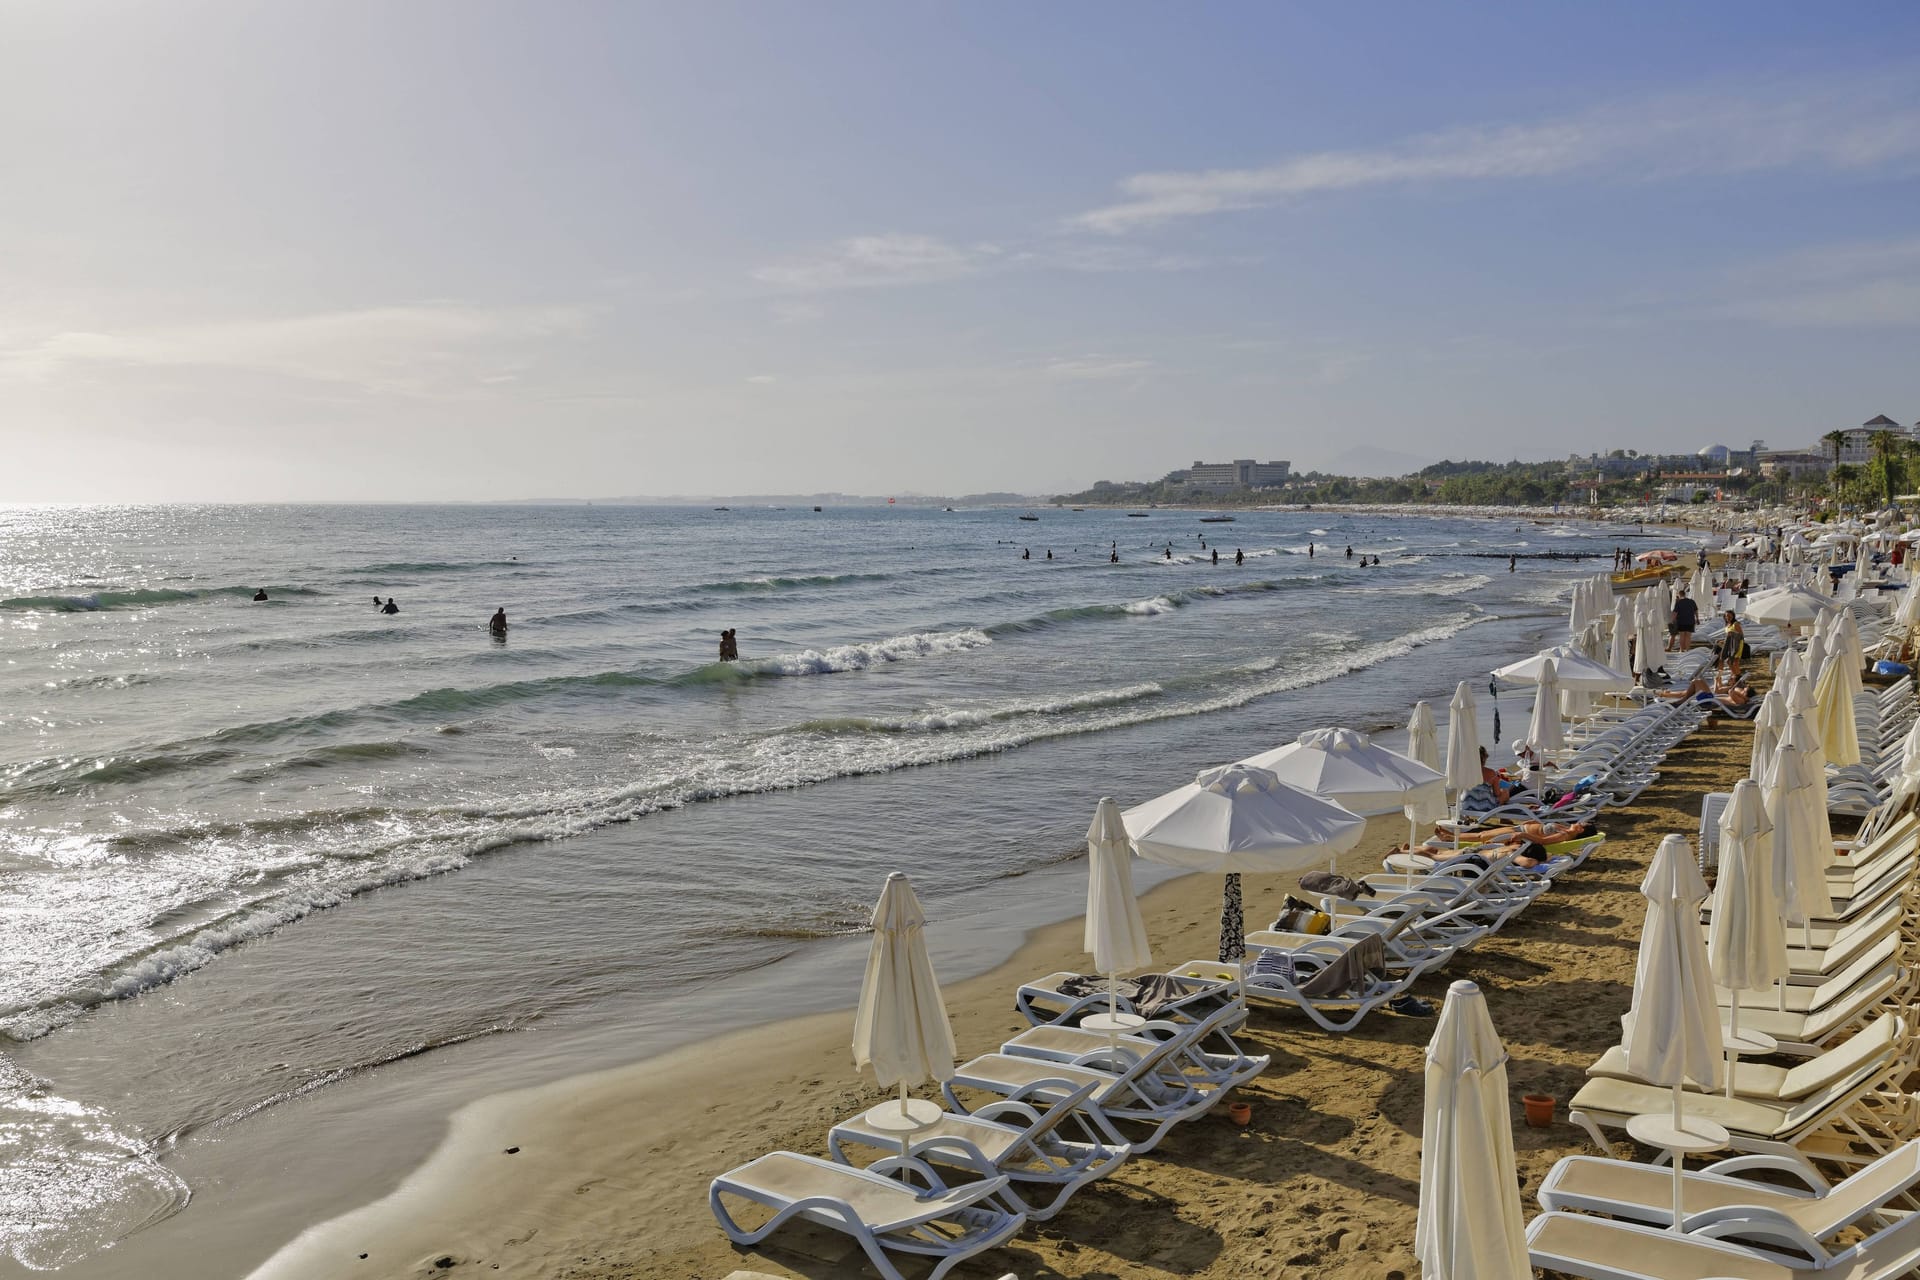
892, 259
1093, 367
1858, 128
1862, 284
389, 349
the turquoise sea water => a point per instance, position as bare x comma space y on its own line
188, 777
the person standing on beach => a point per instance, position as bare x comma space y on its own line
1686, 616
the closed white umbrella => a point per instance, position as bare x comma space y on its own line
1356, 773
1650, 648
1236, 818
1617, 649
1116, 936
1470, 1225
1463, 751
1801, 702
1839, 738
1746, 941
1910, 752
900, 1028
1767, 723
1423, 738
1802, 830
1673, 1030
1543, 730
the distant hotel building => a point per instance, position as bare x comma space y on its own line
1241, 473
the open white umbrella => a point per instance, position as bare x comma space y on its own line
1544, 734
1746, 941
1463, 751
1791, 606
1356, 773
1236, 818
1470, 1225
1571, 670
1423, 738
1673, 1030
1116, 936
900, 1028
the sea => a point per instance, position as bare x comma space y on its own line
283, 881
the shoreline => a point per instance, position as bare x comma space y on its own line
609, 1176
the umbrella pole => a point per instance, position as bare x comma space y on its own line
1679, 1173
1733, 1037
1113, 1014
1233, 921
906, 1135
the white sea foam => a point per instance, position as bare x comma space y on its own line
1157, 605
858, 657
398, 846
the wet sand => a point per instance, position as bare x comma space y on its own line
607, 1175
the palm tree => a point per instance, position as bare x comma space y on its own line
1885, 447
1836, 441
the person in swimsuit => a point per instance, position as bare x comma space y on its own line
497, 624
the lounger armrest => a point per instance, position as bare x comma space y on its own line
1794, 1165
1753, 1222
899, 1167
1004, 1109
954, 1149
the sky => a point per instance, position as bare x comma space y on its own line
468, 250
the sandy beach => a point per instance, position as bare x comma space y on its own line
605, 1176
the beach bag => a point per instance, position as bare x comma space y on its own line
1301, 917
1885, 667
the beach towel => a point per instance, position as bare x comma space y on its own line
1335, 885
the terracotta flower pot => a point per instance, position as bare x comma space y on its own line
1239, 1112
1539, 1109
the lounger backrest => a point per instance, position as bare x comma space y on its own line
1828, 1069
1868, 1189
1196, 1033
1052, 1118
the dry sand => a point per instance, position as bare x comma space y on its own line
610, 1174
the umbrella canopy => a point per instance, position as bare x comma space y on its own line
1674, 1032
1910, 752
1767, 723
1116, 937
1650, 647
1543, 730
1746, 943
1238, 818
1463, 742
1572, 671
901, 1028
1423, 739
1353, 771
1839, 738
1470, 1225
1791, 606
1802, 832
1617, 656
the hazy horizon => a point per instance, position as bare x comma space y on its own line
483, 252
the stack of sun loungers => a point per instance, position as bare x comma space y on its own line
1882, 719
1844, 1020
1056, 1108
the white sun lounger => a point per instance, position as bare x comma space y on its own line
1010, 1139
1078, 1047
1769, 1083
1043, 1003
1574, 1244
886, 1216
1147, 1094
1719, 1203
1860, 1111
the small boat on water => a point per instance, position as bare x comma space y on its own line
1136, 515
1079, 508
1216, 519
1029, 517
946, 508
816, 508
723, 508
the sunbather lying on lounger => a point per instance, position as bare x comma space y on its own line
1532, 837
1732, 692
